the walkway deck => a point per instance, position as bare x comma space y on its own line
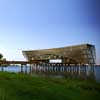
20, 62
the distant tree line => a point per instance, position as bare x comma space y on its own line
1, 57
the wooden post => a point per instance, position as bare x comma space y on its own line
21, 68
2, 68
79, 69
25, 69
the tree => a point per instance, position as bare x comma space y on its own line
4, 59
1, 56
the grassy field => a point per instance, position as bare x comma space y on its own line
24, 87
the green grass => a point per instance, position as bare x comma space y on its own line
24, 87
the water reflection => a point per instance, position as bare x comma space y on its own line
84, 72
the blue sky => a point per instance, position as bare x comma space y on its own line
39, 24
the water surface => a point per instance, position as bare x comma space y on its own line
84, 72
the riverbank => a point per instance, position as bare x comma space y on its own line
24, 87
